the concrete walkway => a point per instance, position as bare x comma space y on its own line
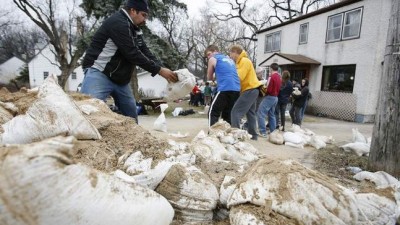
340, 130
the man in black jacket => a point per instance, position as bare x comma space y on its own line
116, 48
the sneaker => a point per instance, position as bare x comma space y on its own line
263, 135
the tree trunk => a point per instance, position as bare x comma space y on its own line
135, 84
385, 152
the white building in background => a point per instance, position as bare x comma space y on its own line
10, 69
340, 49
45, 64
156, 86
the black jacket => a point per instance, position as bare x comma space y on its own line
117, 47
299, 100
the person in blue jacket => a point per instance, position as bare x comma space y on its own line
283, 99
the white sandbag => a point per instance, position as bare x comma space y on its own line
296, 192
304, 137
176, 148
185, 84
176, 111
228, 139
240, 217
40, 185
209, 148
358, 148
152, 178
357, 136
226, 190
295, 128
240, 157
161, 123
88, 109
239, 134
308, 132
317, 143
381, 179
53, 113
190, 192
326, 139
276, 137
5, 115
294, 145
293, 138
375, 209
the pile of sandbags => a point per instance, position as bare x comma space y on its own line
40, 184
298, 138
53, 113
360, 145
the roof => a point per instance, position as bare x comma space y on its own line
311, 14
293, 59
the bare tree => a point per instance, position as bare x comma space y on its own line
62, 33
288, 9
385, 153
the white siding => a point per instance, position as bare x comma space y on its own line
156, 83
45, 61
10, 69
367, 52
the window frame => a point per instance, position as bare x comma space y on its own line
73, 76
306, 41
327, 29
331, 66
359, 26
343, 14
272, 44
44, 75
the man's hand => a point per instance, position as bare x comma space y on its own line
168, 75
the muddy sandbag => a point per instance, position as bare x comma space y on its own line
53, 113
39, 184
276, 137
380, 178
5, 115
375, 209
317, 142
191, 193
295, 192
257, 215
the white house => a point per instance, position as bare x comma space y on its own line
10, 69
156, 85
45, 64
340, 49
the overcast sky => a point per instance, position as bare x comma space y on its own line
194, 6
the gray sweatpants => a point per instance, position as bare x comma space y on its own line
246, 105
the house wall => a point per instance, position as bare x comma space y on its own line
367, 52
45, 62
10, 69
156, 83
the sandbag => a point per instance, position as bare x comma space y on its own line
5, 115
357, 136
326, 139
191, 193
185, 84
249, 214
375, 209
293, 138
358, 148
276, 137
176, 111
295, 192
317, 142
209, 148
53, 113
39, 184
161, 123
381, 179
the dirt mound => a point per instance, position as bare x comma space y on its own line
264, 214
22, 99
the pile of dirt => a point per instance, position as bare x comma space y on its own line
22, 99
121, 136
264, 214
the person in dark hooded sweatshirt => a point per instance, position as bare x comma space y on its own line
298, 103
283, 99
116, 49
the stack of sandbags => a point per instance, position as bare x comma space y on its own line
53, 113
359, 146
293, 191
40, 184
298, 137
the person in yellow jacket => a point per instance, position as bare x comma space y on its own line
249, 83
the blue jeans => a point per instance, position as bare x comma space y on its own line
267, 106
98, 85
303, 110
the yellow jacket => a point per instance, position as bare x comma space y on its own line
247, 74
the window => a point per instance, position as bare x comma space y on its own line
303, 37
273, 42
344, 26
334, 30
45, 75
338, 78
352, 24
73, 76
